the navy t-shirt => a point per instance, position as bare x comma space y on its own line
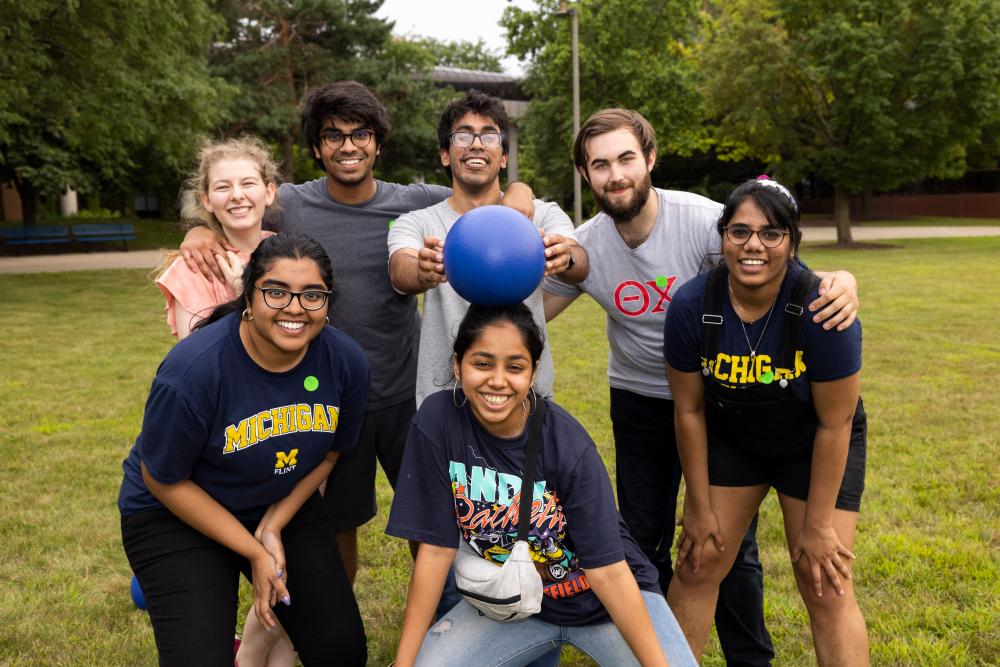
459, 482
819, 355
245, 435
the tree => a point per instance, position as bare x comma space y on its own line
861, 94
465, 55
633, 53
276, 50
90, 92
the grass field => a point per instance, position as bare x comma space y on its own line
82, 348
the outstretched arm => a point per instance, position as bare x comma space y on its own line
423, 595
554, 304
835, 403
616, 588
416, 271
699, 522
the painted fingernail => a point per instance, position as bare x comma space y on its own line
287, 600
280, 572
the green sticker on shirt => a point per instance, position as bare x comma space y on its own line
392, 222
311, 383
767, 378
661, 281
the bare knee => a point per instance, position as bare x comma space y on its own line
712, 569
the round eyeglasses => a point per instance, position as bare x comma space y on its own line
464, 139
335, 139
278, 298
770, 237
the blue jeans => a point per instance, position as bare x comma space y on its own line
464, 637
451, 597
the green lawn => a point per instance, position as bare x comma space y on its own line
82, 348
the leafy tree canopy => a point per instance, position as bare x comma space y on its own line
633, 53
862, 94
92, 92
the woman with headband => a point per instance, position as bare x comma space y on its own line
766, 398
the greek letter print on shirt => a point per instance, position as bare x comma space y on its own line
633, 297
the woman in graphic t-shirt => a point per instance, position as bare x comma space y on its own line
461, 477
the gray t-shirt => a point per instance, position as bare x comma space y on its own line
385, 323
635, 285
444, 308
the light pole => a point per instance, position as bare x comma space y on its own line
571, 11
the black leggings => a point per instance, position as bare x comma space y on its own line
191, 583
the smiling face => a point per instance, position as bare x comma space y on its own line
277, 338
475, 168
348, 165
753, 265
236, 194
618, 173
495, 374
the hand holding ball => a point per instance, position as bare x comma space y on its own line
494, 256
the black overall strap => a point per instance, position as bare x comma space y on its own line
805, 283
528, 480
711, 318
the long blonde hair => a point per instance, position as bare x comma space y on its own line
193, 214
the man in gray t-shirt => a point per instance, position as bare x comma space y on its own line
472, 135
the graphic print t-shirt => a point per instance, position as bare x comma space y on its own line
458, 482
245, 435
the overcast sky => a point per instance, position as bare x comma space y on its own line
454, 20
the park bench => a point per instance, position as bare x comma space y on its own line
94, 233
34, 235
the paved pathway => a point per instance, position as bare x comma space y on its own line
883, 233
149, 259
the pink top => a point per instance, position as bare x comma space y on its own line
195, 293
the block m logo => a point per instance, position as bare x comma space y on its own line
285, 460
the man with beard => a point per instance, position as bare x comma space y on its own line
642, 247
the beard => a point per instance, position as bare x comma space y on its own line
626, 210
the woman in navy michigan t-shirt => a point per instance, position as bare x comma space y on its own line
461, 479
764, 397
244, 420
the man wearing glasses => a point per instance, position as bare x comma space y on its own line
348, 212
472, 135
643, 245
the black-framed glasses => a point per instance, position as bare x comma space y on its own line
464, 139
770, 237
278, 298
334, 139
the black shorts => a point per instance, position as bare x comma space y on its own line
729, 465
350, 491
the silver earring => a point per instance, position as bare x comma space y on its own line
532, 400
328, 321
247, 315
454, 395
